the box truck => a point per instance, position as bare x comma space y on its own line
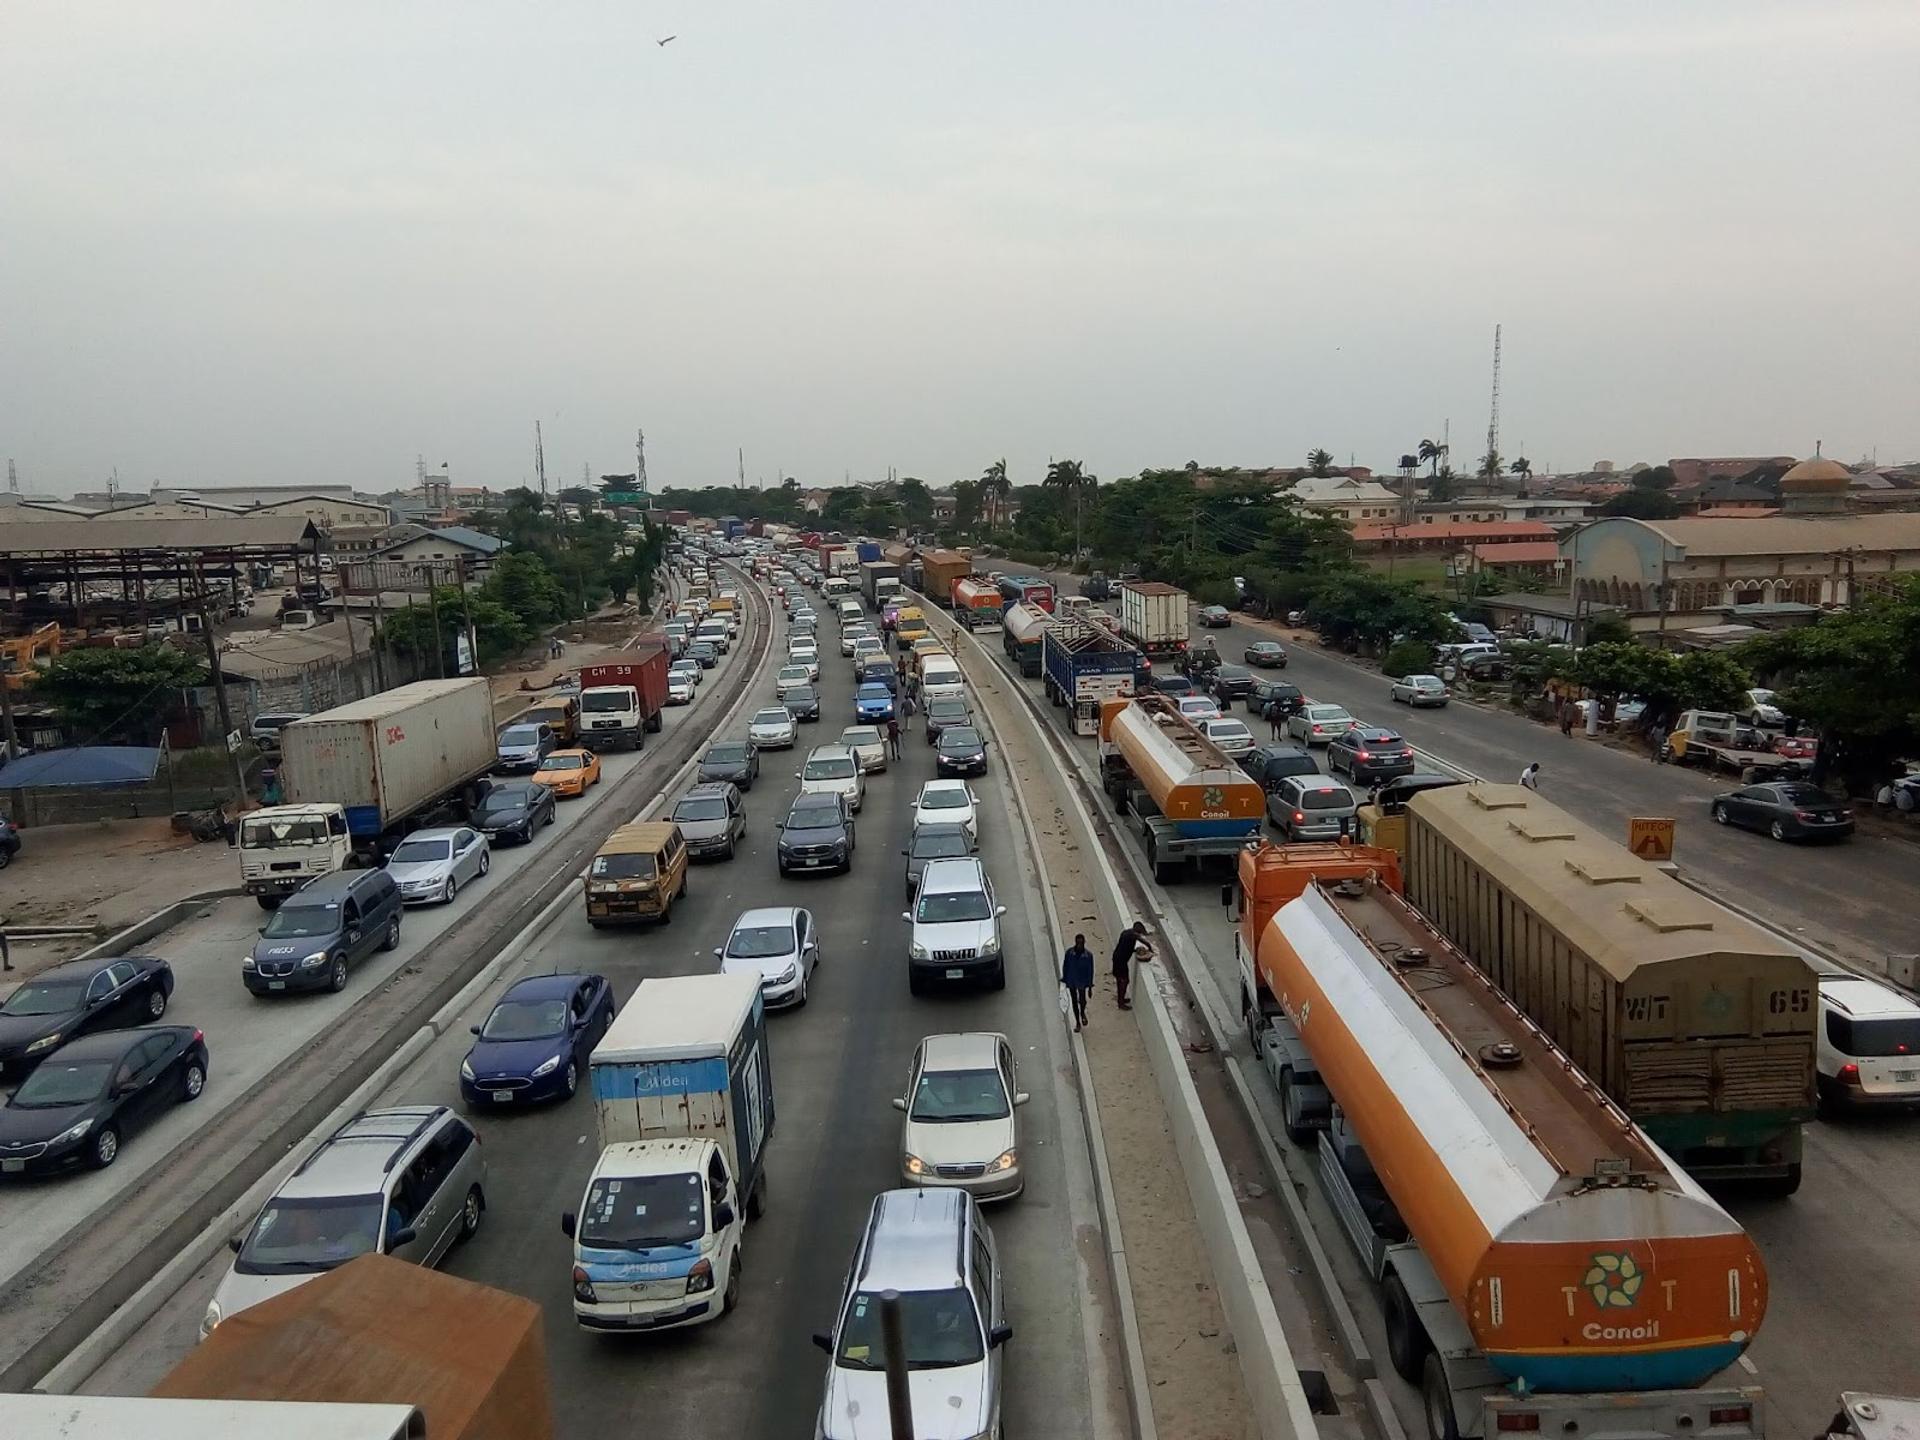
622, 699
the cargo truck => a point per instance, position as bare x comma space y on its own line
1153, 616
1698, 1024
1083, 665
976, 602
1022, 629
1191, 799
1542, 1266
845, 562
878, 580
867, 551
115, 1417
620, 700
938, 570
357, 777
683, 1097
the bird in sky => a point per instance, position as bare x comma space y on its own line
669, 40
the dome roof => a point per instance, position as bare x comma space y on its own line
1817, 474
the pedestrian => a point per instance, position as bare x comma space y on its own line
1566, 718
1132, 945
1076, 973
1658, 735
1530, 777
907, 709
893, 737
1276, 714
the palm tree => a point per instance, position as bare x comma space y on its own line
1074, 483
1432, 454
994, 490
1491, 466
791, 484
1319, 462
1522, 467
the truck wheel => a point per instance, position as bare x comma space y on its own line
655, 721
757, 1199
1406, 1340
731, 1299
1786, 1185
1436, 1401
1298, 1130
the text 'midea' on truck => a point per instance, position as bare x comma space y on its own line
1026, 590
1191, 799
1543, 1267
1086, 664
1023, 627
683, 1097
622, 699
976, 602
1153, 617
356, 777
1696, 1022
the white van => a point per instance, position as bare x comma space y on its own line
940, 678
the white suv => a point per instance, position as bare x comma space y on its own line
956, 928
1869, 1052
833, 770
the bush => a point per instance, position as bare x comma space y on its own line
1409, 657
1217, 592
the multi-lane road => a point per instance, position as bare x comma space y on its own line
837, 1064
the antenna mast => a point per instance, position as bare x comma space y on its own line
540, 461
740, 458
1493, 414
13, 479
640, 461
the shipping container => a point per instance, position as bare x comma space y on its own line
1026, 590
938, 570
1154, 617
868, 551
606, 719
1699, 1024
878, 579
392, 755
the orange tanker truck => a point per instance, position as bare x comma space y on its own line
1543, 1267
1190, 798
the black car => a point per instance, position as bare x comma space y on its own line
1786, 810
961, 750
1393, 795
1266, 652
513, 811
1270, 764
1214, 617
1266, 691
9, 841
1369, 752
941, 714
1231, 683
91, 1093
802, 702
1175, 685
735, 760
703, 653
817, 834
79, 997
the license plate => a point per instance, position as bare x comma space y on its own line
809, 862
276, 984
13, 1167
503, 1096
1905, 1077
956, 974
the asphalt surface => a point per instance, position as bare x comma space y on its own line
837, 1063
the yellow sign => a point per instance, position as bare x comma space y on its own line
1650, 838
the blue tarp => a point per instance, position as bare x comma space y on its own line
82, 765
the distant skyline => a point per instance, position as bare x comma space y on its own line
299, 244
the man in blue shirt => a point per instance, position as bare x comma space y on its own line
1076, 973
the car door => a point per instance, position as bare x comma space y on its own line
466, 854
737, 814
1754, 806
986, 1280
354, 926
148, 1064
582, 1020
102, 1003
803, 940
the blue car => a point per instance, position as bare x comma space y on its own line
873, 702
535, 1043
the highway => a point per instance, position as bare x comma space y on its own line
837, 1064
1844, 1253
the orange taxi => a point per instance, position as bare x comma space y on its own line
568, 772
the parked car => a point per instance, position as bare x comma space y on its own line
434, 864
1419, 690
934, 842
773, 728
1266, 653
817, 834
78, 998
1270, 764
935, 1248
955, 937
534, 1043
1761, 709
521, 749
948, 802
778, 946
1213, 617
1230, 683
1786, 810
802, 702
961, 750
569, 772
869, 747
264, 729
1231, 736
737, 761
408, 1182
1868, 1050
513, 811
1318, 724
91, 1093
942, 713
1306, 807
962, 1128
1369, 752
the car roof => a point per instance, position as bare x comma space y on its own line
955, 873
1305, 783
1371, 732
545, 987
84, 969
832, 751
770, 714
1341, 708
709, 789
356, 1158
916, 1240
938, 827
580, 750
928, 787
860, 733
970, 1049
815, 800
1865, 999
107, 1044
786, 915
438, 832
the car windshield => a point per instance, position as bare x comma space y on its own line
1326, 712
776, 719
943, 800
942, 1330
283, 830
727, 755
794, 672
45, 997
705, 807
1868, 1039
520, 735
951, 711
952, 906
57, 1082
633, 866
526, 1020
1229, 730
956, 1096
1804, 795
860, 735
296, 1236
422, 852
1324, 799
875, 692
934, 843
1232, 672
564, 762
290, 921
801, 694
1761, 697
959, 737
760, 942
830, 767
814, 817
597, 702
640, 1212
505, 797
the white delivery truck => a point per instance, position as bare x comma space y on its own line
683, 1095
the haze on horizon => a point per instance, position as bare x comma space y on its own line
302, 243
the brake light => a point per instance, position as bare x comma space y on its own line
1360, 754
198, 1036
1731, 1415
1849, 1074
1298, 818
1517, 1421
1316, 729
1803, 815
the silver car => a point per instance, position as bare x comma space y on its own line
1312, 807
773, 729
1419, 690
961, 1129
776, 945
869, 747
432, 865
1318, 724
408, 1182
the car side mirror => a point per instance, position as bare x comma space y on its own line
1226, 895
722, 1215
234, 1242
716, 949
999, 910
899, 1102
903, 852
567, 1225
1020, 1097
796, 774
823, 1340
906, 915
999, 1335
473, 1029
405, 1235
262, 930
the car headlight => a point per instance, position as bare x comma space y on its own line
700, 1277
547, 1067
916, 951
790, 973
1006, 1160
313, 961
583, 1287
212, 1318
466, 1070
71, 1134
990, 946
246, 962
913, 1165
45, 1042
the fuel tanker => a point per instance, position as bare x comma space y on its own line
1542, 1263
1191, 799
1024, 626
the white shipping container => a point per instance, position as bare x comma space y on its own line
391, 753
1153, 613
103, 1417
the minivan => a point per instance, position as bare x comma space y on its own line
1869, 1044
940, 678
322, 930
639, 872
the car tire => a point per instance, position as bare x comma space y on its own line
471, 1210
486, 861
998, 981
6, 858
391, 940
757, 1198
1406, 1338
1719, 813
105, 1148
156, 1003
268, 902
1777, 830
448, 891
337, 980
570, 1083
730, 1297
193, 1081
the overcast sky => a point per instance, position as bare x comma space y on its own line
304, 242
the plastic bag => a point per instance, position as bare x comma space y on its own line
1066, 1004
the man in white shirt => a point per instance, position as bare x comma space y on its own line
1530, 777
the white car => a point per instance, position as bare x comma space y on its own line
1231, 736
956, 928
803, 647
868, 745
791, 675
689, 668
833, 770
778, 946
1318, 724
807, 660
680, 687
867, 645
948, 802
1199, 707
434, 864
773, 728
1869, 1044
961, 1129
1761, 709
850, 634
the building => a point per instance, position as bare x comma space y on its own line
1690, 472
1539, 559
329, 512
445, 556
164, 507
1447, 537
1354, 500
1557, 511
1556, 618
358, 542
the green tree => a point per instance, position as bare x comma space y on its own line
1522, 467
844, 504
995, 488
1642, 503
1710, 680
1492, 466
104, 694
1320, 462
1432, 454
1655, 477
967, 506
522, 582
1355, 608
916, 502
1602, 629
1442, 486
1076, 487
1408, 657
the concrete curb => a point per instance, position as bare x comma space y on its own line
158, 923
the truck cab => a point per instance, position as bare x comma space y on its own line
284, 846
610, 717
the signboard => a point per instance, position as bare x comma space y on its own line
624, 497
233, 740
1650, 838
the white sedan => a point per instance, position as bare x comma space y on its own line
1231, 736
679, 688
947, 802
1318, 724
795, 675
434, 864
773, 728
833, 770
1199, 707
804, 660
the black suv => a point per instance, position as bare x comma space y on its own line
961, 751
817, 834
1369, 752
1285, 691
1270, 764
943, 713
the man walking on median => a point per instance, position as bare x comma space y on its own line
1076, 973
1132, 945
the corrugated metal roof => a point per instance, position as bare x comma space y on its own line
1782, 534
212, 533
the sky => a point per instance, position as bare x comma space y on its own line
303, 243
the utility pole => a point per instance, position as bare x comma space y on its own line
466, 610
13, 479
740, 458
219, 686
540, 462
